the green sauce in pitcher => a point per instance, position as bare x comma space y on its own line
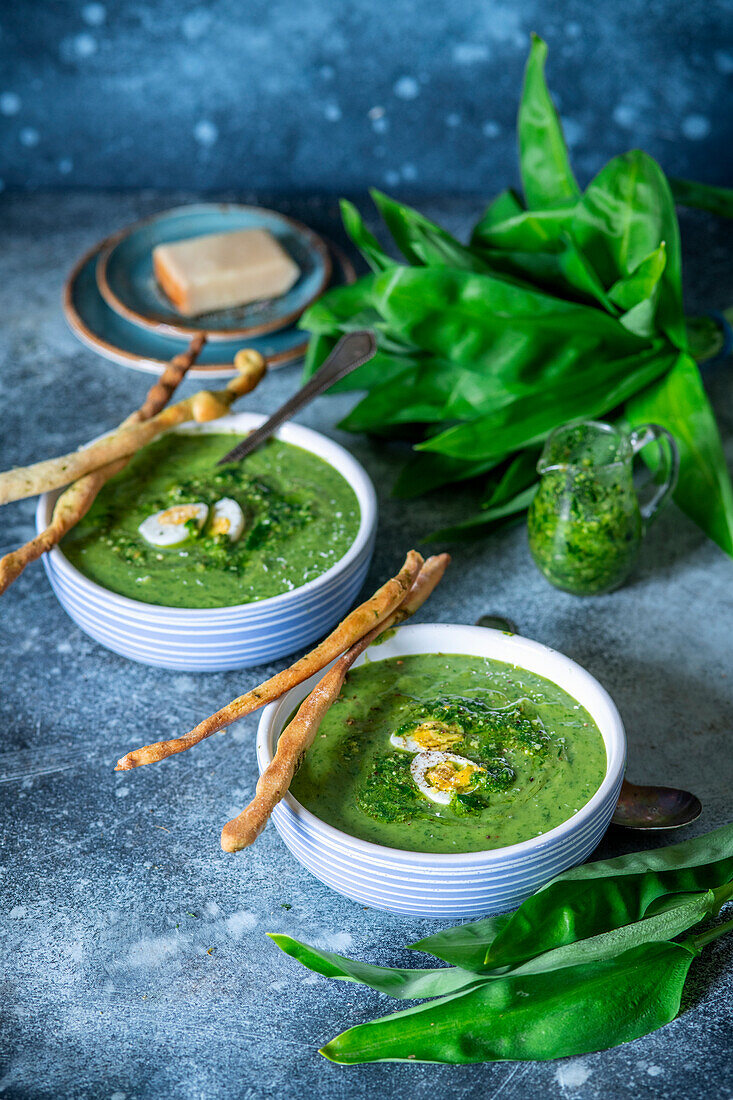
585, 523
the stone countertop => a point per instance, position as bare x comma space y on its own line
114, 887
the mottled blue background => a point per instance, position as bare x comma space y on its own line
303, 95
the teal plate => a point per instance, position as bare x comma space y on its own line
127, 282
114, 337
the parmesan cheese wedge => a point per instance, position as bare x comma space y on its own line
221, 270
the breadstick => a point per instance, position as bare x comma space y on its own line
26, 481
373, 611
75, 502
298, 736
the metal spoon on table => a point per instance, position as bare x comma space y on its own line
351, 352
655, 807
638, 807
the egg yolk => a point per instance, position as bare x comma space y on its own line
220, 525
179, 514
436, 735
447, 776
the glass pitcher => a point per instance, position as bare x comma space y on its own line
586, 522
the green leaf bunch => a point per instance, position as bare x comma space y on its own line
597, 957
566, 304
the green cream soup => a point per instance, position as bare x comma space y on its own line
297, 516
450, 753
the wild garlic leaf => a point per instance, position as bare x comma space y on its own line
547, 177
531, 1017
364, 239
703, 196
607, 894
595, 391
679, 403
625, 214
411, 984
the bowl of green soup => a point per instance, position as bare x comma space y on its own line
460, 769
189, 565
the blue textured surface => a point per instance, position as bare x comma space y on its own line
307, 94
108, 989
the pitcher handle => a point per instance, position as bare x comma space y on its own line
667, 464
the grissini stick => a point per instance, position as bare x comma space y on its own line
75, 502
27, 481
373, 611
299, 734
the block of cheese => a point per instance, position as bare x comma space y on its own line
220, 270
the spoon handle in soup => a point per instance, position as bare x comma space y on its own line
351, 352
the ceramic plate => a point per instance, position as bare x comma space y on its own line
100, 328
127, 283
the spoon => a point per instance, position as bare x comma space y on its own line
655, 807
351, 352
637, 807
497, 622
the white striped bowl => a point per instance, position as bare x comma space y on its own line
220, 638
453, 886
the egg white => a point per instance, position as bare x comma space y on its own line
425, 761
227, 518
168, 527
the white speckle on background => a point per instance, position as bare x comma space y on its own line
695, 127
468, 53
9, 103
336, 941
453, 120
152, 950
327, 72
380, 125
118, 1096
332, 112
409, 172
724, 61
76, 951
624, 115
18, 911
573, 30
375, 112
195, 24
94, 14
574, 131
391, 178
206, 133
77, 47
212, 908
64, 647
122, 792
240, 922
29, 137
407, 88
491, 129
183, 684
654, 1071
504, 25
572, 1075
239, 732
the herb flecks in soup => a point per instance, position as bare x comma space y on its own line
450, 753
174, 529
